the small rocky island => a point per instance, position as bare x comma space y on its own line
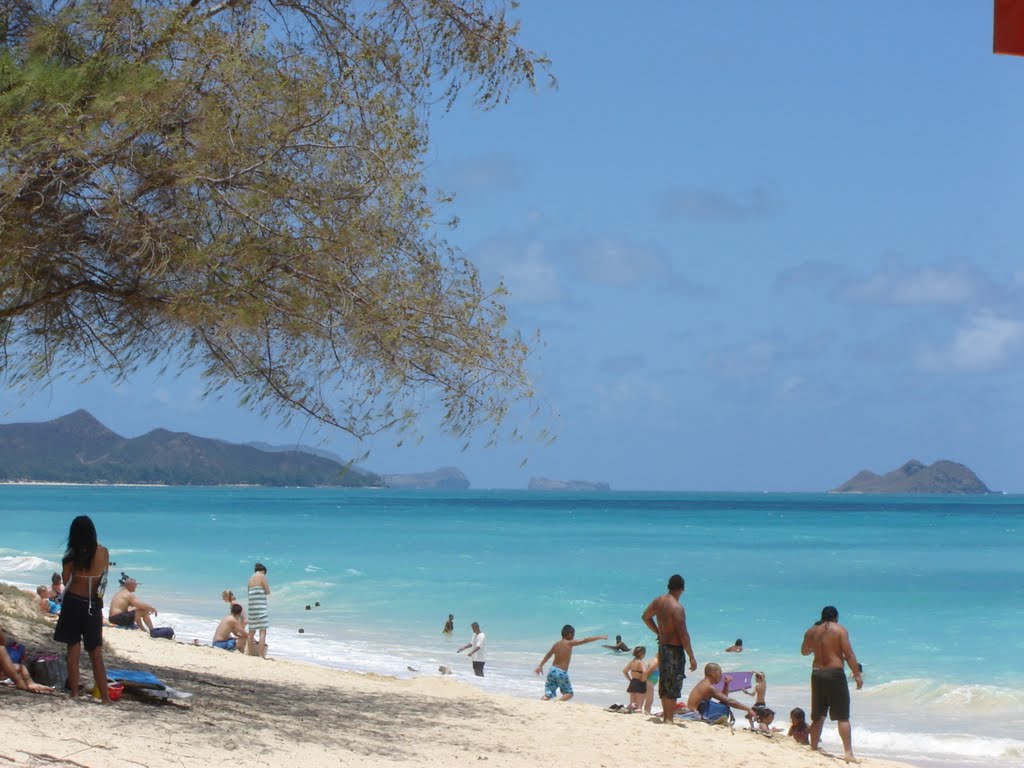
442, 479
547, 484
915, 477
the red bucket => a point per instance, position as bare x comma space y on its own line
115, 690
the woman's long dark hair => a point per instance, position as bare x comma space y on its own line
81, 543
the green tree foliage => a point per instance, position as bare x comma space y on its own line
238, 186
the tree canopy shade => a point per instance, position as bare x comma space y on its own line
237, 186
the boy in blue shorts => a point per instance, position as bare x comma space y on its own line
558, 675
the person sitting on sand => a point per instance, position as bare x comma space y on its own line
126, 610
619, 646
736, 647
705, 690
18, 672
558, 675
231, 631
56, 588
798, 728
47, 607
636, 672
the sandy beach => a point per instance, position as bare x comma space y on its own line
278, 713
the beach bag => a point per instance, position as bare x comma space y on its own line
165, 632
48, 669
16, 651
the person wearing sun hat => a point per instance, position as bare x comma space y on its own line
127, 610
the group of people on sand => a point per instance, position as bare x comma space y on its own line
79, 591
246, 633
827, 641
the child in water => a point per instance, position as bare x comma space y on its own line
636, 673
798, 726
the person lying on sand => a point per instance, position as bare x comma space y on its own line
48, 607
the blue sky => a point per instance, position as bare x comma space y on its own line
766, 245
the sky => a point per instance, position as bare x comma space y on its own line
765, 246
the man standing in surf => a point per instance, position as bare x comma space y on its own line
829, 641
673, 644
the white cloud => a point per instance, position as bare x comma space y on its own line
707, 204
530, 277
485, 172
613, 261
756, 357
986, 342
921, 287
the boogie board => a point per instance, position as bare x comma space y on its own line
740, 681
165, 693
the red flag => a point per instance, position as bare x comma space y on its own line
1008, 29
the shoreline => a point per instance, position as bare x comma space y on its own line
280, 712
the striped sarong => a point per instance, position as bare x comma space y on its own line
259, 618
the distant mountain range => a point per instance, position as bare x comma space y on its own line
915, 477
79, 449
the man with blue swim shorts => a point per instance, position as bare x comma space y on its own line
558, 675
673, 644
231, 630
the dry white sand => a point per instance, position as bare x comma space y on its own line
275, 713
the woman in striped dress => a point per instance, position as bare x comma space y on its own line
259, 619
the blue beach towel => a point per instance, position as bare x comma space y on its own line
136, 678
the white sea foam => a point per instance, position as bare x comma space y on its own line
26, 571
946, 698
23, 564
939, 746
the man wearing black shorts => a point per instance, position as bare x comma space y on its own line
666, 618
829, 641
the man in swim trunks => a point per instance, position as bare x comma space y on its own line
705, 690
231, 631
126, 610
829, 642
666, 618
558, 675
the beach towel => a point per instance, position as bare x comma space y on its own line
136, 678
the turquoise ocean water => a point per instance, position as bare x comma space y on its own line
931, 588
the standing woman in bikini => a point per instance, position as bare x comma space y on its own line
259, 618
81, 615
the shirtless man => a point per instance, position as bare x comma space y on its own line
126, 610
561, 654
705, 690
830, 643
673, 642
231, 631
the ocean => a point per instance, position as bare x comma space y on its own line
931, 588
